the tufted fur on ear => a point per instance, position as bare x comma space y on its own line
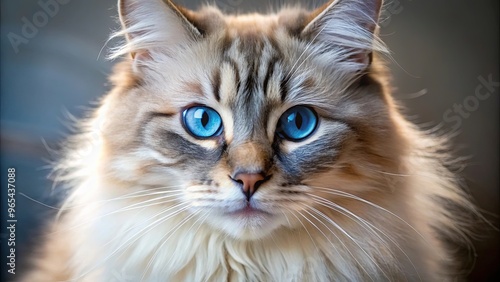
348, 29
153, 26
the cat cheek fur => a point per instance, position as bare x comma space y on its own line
361, 199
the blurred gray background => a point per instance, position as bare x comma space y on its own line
445, 52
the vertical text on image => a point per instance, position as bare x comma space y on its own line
11, 220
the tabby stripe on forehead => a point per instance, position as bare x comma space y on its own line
250, 82
284, 87
236, 71
216, 84
275, 46
269, 74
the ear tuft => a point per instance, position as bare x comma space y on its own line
348, 28
151, 26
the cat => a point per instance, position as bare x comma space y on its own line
253, 148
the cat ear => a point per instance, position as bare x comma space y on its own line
151, 26
348, 28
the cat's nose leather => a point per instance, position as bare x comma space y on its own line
250, 182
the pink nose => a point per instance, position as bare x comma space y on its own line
250, 182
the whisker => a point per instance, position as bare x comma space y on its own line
304, 60
292, 69
341, 242
63, 208
367, 226
127, 243
71, 198
38, 202
390, 173
179, 225
348, 195
151, 200
286, 217
331, 243
308, 233
126, 208
155, 223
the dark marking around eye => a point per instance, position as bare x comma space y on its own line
175, 146
147, 120
153, 115
184, 153
216, 84
314, 157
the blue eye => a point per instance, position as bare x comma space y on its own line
202, 122
297, 123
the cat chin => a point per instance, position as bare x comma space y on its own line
246, 226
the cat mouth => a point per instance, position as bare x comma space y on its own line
246, 221
248, 211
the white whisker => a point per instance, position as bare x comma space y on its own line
307, 231
308, 46
366, 225
331, 243
123, 209
144, 230
341, 242
164, 241
348, 195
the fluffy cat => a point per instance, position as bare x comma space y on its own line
253, 148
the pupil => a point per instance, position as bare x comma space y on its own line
204, 119
298, 120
